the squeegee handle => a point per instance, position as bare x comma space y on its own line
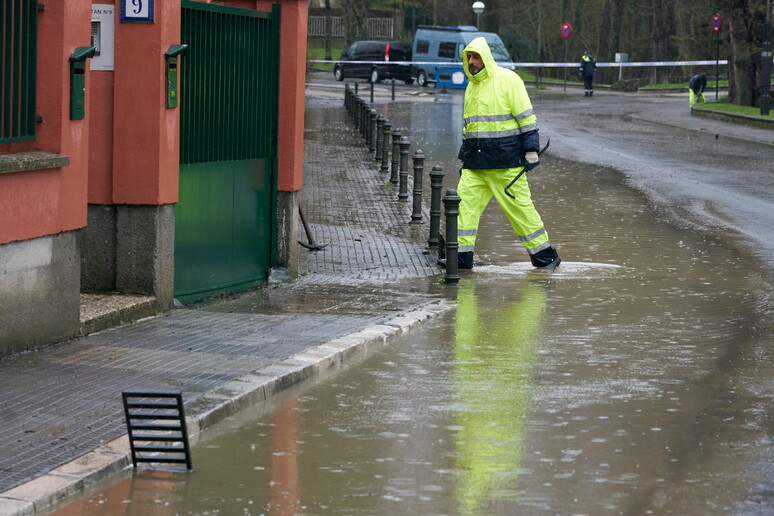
540, 152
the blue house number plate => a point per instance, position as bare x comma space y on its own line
137, 11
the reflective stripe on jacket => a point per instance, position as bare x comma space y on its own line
499, 125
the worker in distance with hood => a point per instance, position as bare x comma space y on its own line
500, 140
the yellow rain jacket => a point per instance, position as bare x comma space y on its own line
500, 126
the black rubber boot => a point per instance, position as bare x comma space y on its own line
553, 265
545, 258
465, 260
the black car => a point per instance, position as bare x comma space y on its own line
375, 60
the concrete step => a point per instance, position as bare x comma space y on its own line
102, 311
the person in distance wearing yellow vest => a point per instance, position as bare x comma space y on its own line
588, 66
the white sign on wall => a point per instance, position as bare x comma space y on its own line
103, 35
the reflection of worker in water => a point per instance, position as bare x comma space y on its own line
696, 86
500, 140
588, 66
494, 351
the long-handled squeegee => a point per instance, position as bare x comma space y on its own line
548, 142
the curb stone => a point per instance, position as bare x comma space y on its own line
752, 121
113, 457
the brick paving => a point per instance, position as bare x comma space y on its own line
63, 401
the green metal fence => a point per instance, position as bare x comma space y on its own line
225, 220
19, 35
229, 83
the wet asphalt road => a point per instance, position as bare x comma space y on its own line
704, 177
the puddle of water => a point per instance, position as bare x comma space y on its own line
637, 379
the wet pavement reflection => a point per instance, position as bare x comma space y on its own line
636, 379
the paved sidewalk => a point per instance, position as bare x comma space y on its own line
370, 284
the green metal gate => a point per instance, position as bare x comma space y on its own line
225, 220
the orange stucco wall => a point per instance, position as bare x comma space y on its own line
145, 132
45, 202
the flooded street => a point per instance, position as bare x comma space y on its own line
635, 379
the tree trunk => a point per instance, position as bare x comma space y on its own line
663, 28
603, 52
744, 20
355, 17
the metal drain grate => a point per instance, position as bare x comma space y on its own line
155, 421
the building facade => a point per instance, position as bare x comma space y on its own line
90, 168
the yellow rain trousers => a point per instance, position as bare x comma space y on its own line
694, 97
476, 188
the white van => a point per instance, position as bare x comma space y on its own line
436, 46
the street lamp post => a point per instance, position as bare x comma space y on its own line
766, 55
478, 8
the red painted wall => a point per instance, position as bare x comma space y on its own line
46, 202
145, 133
101, 138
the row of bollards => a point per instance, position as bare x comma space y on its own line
391, 149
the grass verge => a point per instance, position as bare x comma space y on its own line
737, 110
319, 53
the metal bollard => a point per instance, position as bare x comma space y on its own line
355, 88
350, 102
346, 97
363, 117
367, 127
369, 111
364, 128
351, 107
436, 183
371, 139
358, 111
357, 108
396, 134
379, 138
386, 129
393, 89
403, 180
372, 92
419, 168
451, 204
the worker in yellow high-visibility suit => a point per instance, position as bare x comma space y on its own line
500, 136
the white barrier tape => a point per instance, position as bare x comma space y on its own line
539, 65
